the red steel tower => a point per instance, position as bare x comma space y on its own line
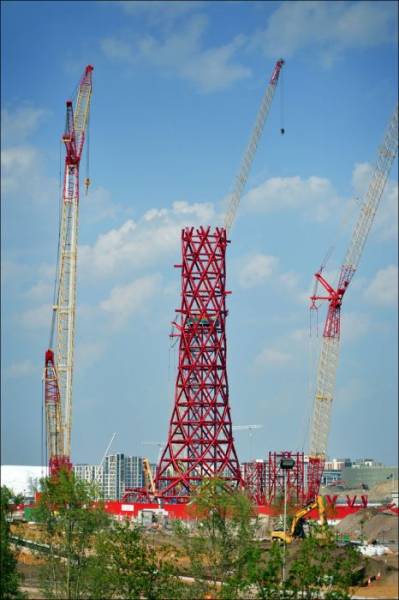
200, 440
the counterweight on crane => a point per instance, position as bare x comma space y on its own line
58, 374
328, 361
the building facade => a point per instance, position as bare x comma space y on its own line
117, 473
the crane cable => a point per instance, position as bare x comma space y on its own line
56, 289
282, 118
312, 354
87, 178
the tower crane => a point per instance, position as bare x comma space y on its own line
249, 153
58, 370
328, 360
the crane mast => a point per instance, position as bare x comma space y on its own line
59, 363
329, 355
249, 154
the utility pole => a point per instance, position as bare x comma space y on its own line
286, 464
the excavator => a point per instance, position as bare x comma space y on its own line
296, 528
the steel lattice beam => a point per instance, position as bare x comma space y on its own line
200, 440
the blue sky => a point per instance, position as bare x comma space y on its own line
176, 90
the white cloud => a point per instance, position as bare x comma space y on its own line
158, 10
289, 280
22, 164
98, 206
19, 124
329, 28
22, 175
88, 353
257, 269
38, 317
354, 326
300, 335
21, 369
383, 290
126, 300
315, 195
139, 244
386, 219
40, 291
272, 357
116, 49
182, 53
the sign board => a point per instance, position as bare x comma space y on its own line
287, 463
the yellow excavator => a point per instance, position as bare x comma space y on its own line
296, 528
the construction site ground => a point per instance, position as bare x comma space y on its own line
379, 576
381, 492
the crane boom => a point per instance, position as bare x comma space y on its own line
328, 361
249, 154
65, 303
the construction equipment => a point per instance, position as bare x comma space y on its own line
58, 371
328, 361
296, 528
249, 153
149, 480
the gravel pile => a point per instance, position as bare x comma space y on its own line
372, 525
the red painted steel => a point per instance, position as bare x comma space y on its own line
295, 478
314, 475
52, 400
254, 476
200, 440
128, 509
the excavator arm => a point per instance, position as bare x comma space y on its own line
295, 530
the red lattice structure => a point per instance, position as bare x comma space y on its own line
295, 478
315, 470
254, 476
200, 440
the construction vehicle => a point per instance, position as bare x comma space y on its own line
296, 527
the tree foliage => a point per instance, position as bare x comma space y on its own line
71, 520
220, 549
10, 579
92, 557
124, 566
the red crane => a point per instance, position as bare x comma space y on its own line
328, 361
58, 370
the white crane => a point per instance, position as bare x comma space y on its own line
58, 372
249, 153
328, 362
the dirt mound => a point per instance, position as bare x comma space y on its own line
370, 524
382, 491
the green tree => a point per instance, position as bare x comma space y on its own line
322, 567
222, 547
10, 578
71, 521
125, 566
